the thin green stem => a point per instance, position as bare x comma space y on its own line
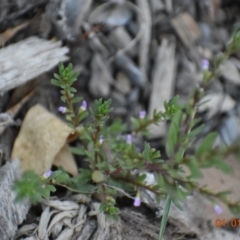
165, 217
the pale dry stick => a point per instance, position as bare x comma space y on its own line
145, 21
121, 191
11, 113
169, 5
85, 9
134, 41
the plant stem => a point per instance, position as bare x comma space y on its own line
165, 217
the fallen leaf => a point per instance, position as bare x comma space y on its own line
42, 142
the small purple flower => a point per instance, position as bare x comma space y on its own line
129, 139
205, 64
137, 200
62, 109
218, 209
47, 174
101, 139
142, 114
134, 171
84, 105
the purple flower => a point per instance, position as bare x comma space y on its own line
142, 114
47, 174
101, 139
137, 200
62, 109
205, 64
129, 139
84, 105
134, 171
218, 209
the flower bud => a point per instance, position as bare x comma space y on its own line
62, 109
142, 114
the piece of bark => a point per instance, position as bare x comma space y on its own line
28, 59
163, 83
186, 28
11, 213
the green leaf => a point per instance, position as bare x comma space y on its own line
135, 122
63, 178
82, 116
77, 99
235, 210
146, 151
177, 204
63, 98
225, 167
56, 83
179, 155
165, 217
78, 151
192, 164
60, 67
55, 174
97, 176
196, 131
83, 177
173, 133
72, 89
206, 144
85, 188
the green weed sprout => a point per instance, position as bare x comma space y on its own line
116, 166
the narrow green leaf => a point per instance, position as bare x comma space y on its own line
173, 133
63, 98
56, 83
57, 76
206, 144
225, 167
72, 89
146, 151
165, 217
82, 116
179, 155
196, 131
192, 164
77, 99
177, 204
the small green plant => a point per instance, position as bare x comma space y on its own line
116, 166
